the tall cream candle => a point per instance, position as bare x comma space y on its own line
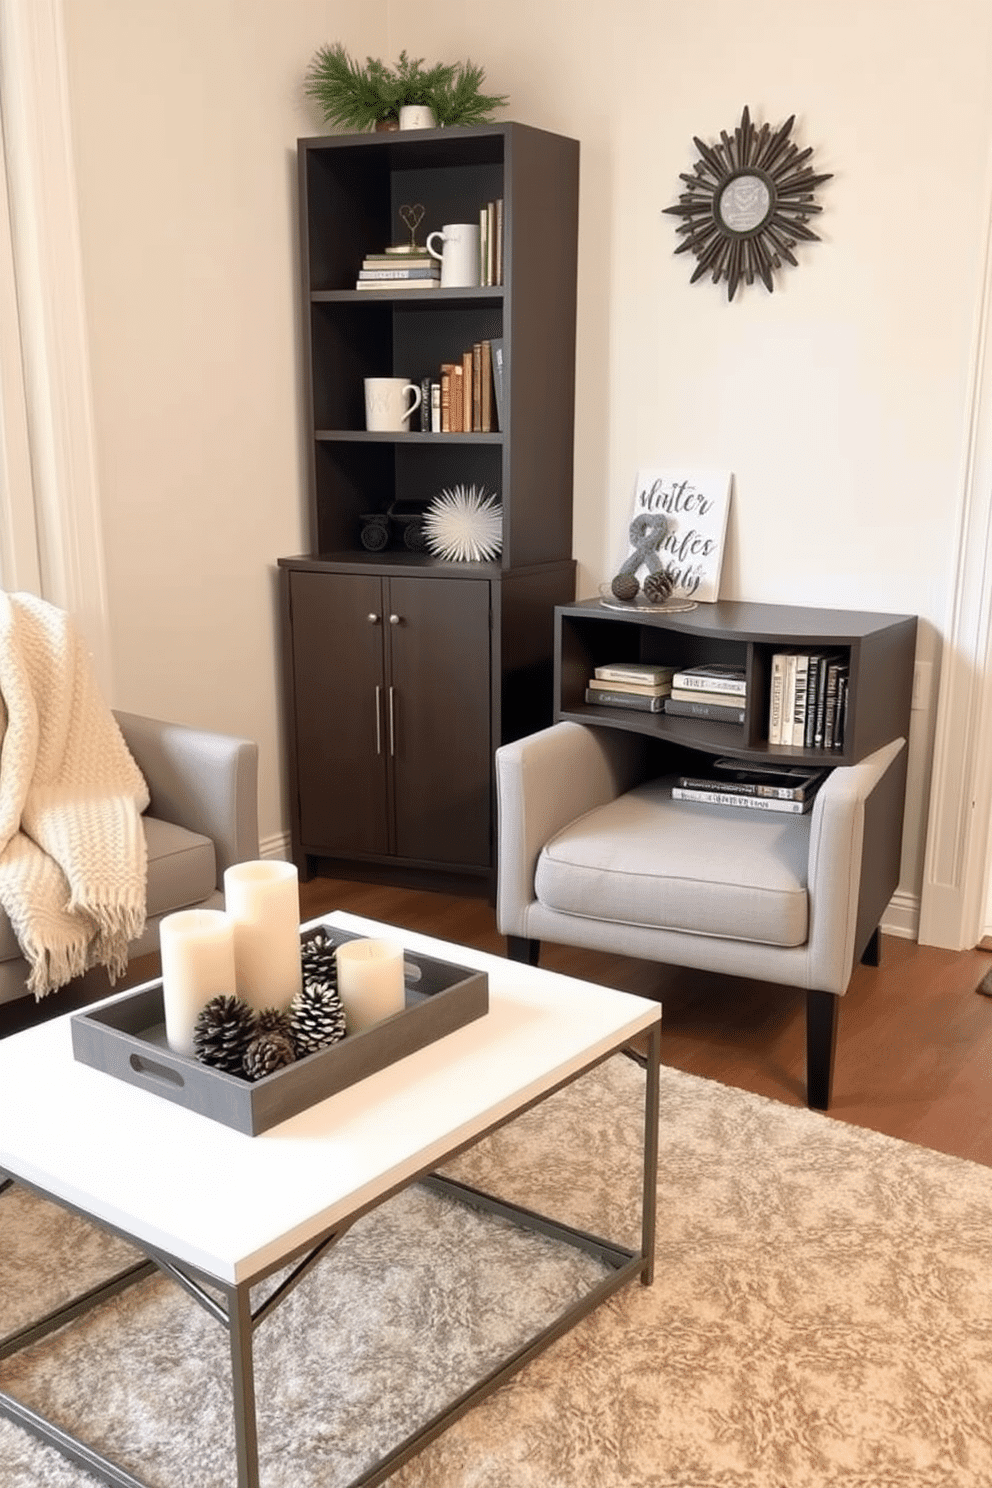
197, 964
370, 981
263, 901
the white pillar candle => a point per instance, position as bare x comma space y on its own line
197, 964
263, 900
370, 981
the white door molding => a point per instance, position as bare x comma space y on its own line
952, 902
47, 263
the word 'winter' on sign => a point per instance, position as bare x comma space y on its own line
678, 526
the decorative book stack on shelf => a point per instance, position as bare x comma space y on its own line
404, 671
752, 786
808, 705
625, 684
491, 243
463, 399
709, 691
399, 268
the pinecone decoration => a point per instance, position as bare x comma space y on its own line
222, 1032
318, 959
625, 587
266, 1053
274, 1020
317, 1016
658, 587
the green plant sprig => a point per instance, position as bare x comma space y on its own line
358, 98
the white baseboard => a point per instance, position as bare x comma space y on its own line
902, 917
276, 846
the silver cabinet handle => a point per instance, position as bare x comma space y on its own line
394, 619
378, 720
373, 619
392, 722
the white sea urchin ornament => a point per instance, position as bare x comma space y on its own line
464, 524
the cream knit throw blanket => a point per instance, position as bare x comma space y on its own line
73, 863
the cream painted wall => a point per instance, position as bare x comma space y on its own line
838, 401
185, 119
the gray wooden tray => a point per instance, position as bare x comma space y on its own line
126, 1039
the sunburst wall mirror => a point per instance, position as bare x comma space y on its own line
747, 204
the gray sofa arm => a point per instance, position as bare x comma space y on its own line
204, 781
841, 906
545, 781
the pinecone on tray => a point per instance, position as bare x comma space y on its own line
317, 1016
274, 1020
267, 1053
316, 1012
223, 1030
318, 959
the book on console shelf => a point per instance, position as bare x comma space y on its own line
644, 702
740, 777
697, 694
635, 689
740, 799
697, 707
712, 678
642, 673
807, 699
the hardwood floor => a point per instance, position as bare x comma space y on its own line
914, 1052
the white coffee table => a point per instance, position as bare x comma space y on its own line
185, 1189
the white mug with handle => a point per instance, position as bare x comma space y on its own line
459, 258
386, 407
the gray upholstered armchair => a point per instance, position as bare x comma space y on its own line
203, 816
593, 852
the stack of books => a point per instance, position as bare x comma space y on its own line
465, 396
714, 691
808, 706
491, 243
630, 684
399, 268
754, 786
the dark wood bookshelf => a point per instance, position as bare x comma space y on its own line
467, 663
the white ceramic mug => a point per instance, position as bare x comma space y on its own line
386, 405
460, 257
417, 116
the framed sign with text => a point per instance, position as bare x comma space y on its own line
677, 528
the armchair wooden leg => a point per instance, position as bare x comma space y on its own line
821, 1041
872, 953
522, 949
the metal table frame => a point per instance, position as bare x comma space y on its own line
236, 1315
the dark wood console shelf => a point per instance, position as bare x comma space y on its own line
880, 650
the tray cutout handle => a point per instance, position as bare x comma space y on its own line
143, 1066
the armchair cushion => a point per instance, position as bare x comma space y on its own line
182, 866
646, 860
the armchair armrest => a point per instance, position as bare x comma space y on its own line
853, 861
545, 781
204, 781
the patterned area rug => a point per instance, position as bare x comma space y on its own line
822, 1315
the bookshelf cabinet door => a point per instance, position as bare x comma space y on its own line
441, 739
339, 683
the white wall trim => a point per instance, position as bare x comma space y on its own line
54, 348
952, 901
